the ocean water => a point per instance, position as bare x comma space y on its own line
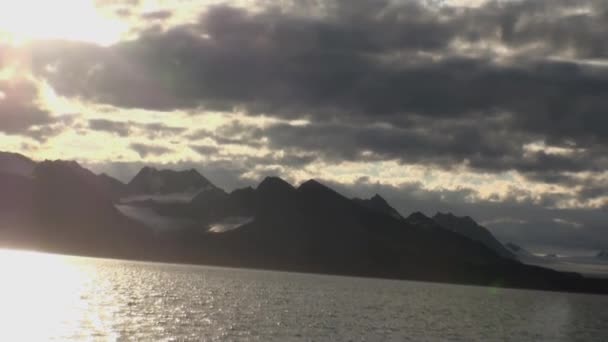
50, 297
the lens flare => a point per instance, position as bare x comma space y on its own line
79, 20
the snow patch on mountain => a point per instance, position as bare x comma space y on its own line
229, 224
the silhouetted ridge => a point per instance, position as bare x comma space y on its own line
65, 208
314, 187
114, 188
274, 184
162, 182
213, 194
248, 191
513, 247
78, 186
379, 200
16, 164
272, 194
418, 219
466, 226
379, 205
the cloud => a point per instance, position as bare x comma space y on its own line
115, 127
127, 128
365, 61
145, 150
205, 150
157, 15
20, 113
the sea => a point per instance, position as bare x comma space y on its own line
46, 297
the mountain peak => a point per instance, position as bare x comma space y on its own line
466, 226
313, 184
149, 180
378, 198
273, 190
418, 217
61, 165
273, 182
450, 219
603, 254
378, 204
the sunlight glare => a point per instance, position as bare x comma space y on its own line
41, 296
78, 20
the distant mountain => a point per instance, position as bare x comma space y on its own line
16, 164
526, 256
422, 221
168, 185
314, 228
466, 226
114, 188
64, 207
16, 202
602, 254
380, 205
516, 249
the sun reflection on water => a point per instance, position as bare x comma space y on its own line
46, 297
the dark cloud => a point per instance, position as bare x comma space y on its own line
145, 150
205, 150
361, 60
233, 133
115, 127
127, 128
21, 115
157, 15
59, 125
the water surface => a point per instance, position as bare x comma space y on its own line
51, 297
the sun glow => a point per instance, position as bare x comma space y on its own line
45, 297
25, 20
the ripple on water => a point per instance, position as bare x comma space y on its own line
69, 298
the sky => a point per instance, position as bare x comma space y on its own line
494, 109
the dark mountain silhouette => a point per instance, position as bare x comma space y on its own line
513, 247
16, 201
312, 228
380, 205
163, 182
315, 229
113, 188
16, 164
518, 250
602, 254
468, 227
64, 207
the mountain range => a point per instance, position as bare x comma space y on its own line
180, 216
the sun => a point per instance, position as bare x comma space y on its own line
25, 20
